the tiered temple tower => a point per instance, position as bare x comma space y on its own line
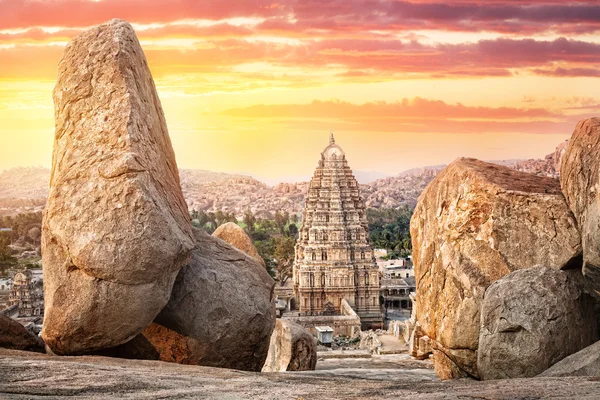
24, 295
334, 259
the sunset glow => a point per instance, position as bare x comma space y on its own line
256, 86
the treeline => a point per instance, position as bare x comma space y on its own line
274, 238
25, 226
390, 229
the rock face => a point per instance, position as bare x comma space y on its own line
116, 229
15, 336
530, 319
233, 234
583, 363
580, 180
475, 223
223, 300
292, 348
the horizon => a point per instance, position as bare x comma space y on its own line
255, 88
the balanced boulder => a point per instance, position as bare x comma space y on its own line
233, 234
222, 305
580, 181
292, 348
116, 229
475, 223
531, 319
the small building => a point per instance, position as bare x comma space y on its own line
324, 334
6, 284
25, 296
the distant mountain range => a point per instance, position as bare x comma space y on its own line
212, 191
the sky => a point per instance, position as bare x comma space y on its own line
256, 86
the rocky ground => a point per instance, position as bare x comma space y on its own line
32, 376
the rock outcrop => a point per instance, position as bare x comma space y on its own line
116, 228
233, 234
292, 348
223, 300
585, 362
580, 181
532, 318
15, 336
26, 375
475, 223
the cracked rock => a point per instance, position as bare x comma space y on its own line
531, 319
116, 228
221, 312
475, 223
580, 181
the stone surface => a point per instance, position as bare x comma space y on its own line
15, 336
580, 181
116, 229
475, 223
585, 362
223, 300
233, 234
419, 344
26, 375
531, 319
292, 348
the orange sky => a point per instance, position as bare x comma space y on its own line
256, 86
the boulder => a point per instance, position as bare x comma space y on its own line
585, 362
116, 229
531, 319
233, 234
580, 181
15, 336
223, 302
475, 223
419, 344
292, 348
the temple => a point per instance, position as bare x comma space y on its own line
334, 263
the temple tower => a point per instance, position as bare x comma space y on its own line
334, 259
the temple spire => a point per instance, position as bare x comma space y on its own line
331, 138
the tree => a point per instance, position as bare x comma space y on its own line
249, 221
292, 230
34, 234
279, 221
6, 258
284, 257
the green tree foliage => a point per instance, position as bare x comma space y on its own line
210, 221
21, 224
6, 258
249, 221
390, 229
284, 257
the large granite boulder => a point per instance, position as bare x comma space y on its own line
116, 229
15, 336
223, 305
532, 318
292, 348
473, 224
585, 362
580, 181
233, 234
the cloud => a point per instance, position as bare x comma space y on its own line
406, 109
329, 15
